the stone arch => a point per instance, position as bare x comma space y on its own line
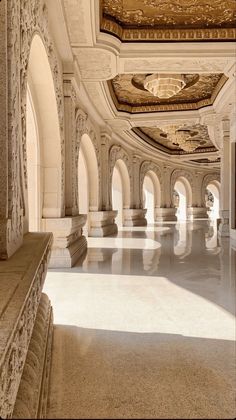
34, 28
87, 140
89, 153
117, 153
214, 179
42, 91
151, 169
187, 179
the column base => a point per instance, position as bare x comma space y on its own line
224, 223
69, 243
102, 223
197, 213
165, 214
134, 217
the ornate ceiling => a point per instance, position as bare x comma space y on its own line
159, 139
166, 20
129, 94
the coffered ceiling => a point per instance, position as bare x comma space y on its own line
152, 20
161, 141
129, 94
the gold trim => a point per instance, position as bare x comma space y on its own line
167, 35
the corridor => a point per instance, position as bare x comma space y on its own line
144, 326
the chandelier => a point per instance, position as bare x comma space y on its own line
164, 86
183, 138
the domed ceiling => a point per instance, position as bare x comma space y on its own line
166, 20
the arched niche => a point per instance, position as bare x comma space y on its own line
152, 194
120, 189
42, 99
184, 200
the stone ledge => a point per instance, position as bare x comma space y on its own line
21, 282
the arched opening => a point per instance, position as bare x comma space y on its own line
120, 190
43, 142
148, 198
151, 195
212, 197
88, 177
182, 197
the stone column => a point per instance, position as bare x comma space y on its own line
69, 243
135, 216
102, 222
225, 180
167, 211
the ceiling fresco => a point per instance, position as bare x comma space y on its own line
147, 20
129, 95
159, 139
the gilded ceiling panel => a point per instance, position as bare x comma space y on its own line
159, 139
174, 19
129, 94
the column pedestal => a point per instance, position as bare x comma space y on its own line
134, 217
69, 243
224, 223
197, 213
165, 214
102, 223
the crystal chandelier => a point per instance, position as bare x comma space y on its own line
182, 138
164, 86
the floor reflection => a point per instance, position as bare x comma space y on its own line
189, 255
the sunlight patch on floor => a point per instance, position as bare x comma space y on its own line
135, 304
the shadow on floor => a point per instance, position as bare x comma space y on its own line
100, 374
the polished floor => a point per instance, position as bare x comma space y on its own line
145, 326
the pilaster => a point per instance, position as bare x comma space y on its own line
71, 176
105, 144
225, 180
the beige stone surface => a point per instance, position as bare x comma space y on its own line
145, 326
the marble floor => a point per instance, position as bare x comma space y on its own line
145, 326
